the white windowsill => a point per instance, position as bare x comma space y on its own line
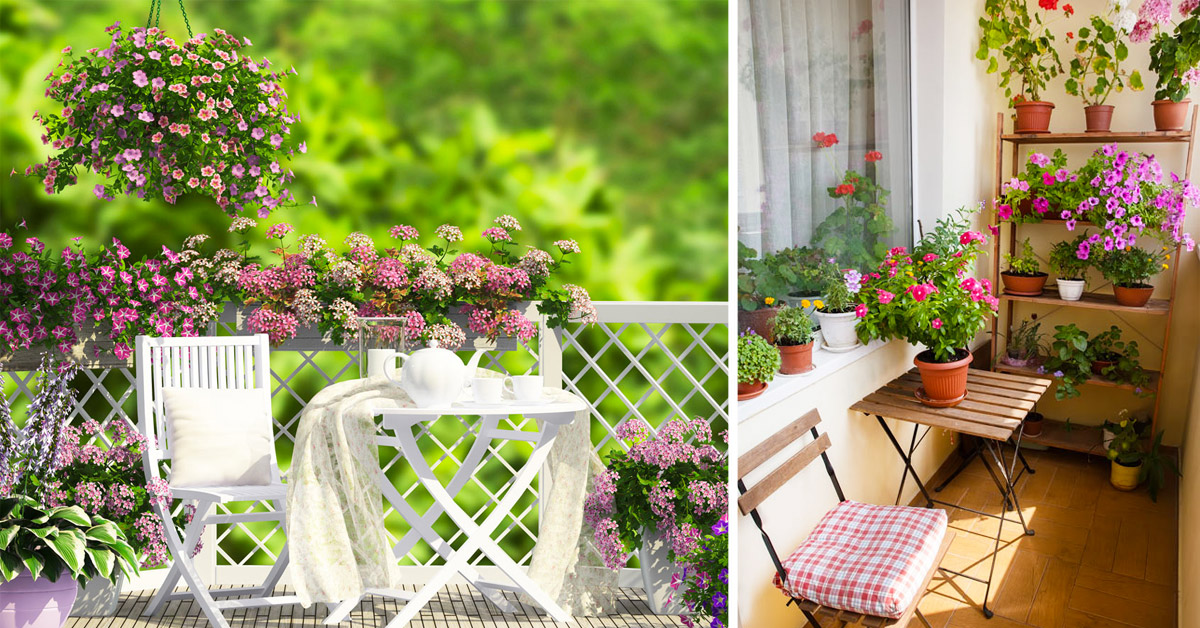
825, 363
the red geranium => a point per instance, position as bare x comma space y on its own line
1048, 5
844, 189
825, 140
1068, 10
874, 155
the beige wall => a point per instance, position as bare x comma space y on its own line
954, 135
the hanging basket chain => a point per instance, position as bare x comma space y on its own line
156, 11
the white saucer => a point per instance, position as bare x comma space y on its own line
840, 349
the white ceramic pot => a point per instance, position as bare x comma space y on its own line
657, 572
1107, 438
1070, 289
838, 330
99, 598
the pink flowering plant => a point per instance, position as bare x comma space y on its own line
155, 117
672, 480
1175, 49
928, 297
1127, 196
39, 533
51, 301
315, 285
1044, 184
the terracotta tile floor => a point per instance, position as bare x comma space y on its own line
1100, 557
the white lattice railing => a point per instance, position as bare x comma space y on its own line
648, 360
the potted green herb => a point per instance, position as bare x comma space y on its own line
1070, 268
1126, 456
1130, 270
1012, 34
1095, 71
836, 312
758, 360
1025, 344
1116, 360
794, 339
1024, 276
762, 281
1069, 360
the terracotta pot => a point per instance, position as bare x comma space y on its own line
1099, 118
1125, 478
1170, 115
1070, 289
1135, 296
1024, 286
29, 603
1033, 116
751, 390
945, 383
1098, 366
795, 359
762, 321
1033, 423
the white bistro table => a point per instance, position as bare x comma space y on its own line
559, 408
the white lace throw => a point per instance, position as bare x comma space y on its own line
335, 524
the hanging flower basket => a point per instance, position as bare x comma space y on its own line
156, 117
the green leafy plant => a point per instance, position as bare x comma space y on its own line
929, 301
58, 541
1069, 360
1175, 56
762, 280
1026, 264
1131, 267
1107, 346
793, 326
807, 263
854, 233
758, 360
1095, 71
1124, 448
1065, 261
1026, 342
1155, 465
1009, 32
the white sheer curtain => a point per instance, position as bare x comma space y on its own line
830, 66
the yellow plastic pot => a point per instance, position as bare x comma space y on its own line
1125, 478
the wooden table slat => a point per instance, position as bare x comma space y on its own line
966, 410
985, 388
918, 415
976, 396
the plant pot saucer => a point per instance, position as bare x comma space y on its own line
942, 403
752, 394
840, 349
1023, 294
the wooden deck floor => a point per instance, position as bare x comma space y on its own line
456, 607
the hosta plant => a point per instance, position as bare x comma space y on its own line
159, 118
53, 542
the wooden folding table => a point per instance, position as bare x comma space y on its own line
993, 411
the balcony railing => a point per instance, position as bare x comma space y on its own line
647, 360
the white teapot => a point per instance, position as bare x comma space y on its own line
434, 376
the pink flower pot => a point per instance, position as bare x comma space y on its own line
29, 603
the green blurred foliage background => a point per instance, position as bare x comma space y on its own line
605, 121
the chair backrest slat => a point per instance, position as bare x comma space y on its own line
786, 471
788, 435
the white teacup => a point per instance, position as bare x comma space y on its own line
487, 389
524, 387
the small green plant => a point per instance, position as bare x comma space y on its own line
1108, 347
1027, 341
808, 265
1026, 264
1065, 261
1123, 448
1010, 32
1069, 360
793, 327
1099, 50
1174, 56
1154, 467
762, 280
758, 360
1131, 267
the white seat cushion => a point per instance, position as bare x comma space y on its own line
233, 493
218, 437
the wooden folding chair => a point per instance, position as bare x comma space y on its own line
752, 497
232, 362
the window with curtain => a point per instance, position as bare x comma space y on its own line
825, 117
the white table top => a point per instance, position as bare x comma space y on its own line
554, 401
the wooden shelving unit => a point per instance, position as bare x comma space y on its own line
1055, 433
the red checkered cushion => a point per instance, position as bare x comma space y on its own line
866, 559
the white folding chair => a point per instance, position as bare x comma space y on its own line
234, 362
